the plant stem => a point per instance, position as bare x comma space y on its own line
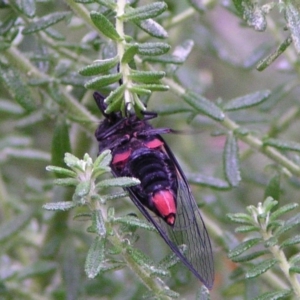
82, 12
289, 53
249, 139
124, 67
283, 264
183, 16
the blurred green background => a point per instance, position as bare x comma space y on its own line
43, 253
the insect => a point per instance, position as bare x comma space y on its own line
139, 151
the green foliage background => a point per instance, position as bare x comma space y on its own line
231, 85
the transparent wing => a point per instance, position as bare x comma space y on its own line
189, 230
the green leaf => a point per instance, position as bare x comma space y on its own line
240, 218
16, 224
169, 261
9, 107
45, 22
244, 246
99, 82
269, 204
15, 141
231, 161
271, 242
290, 241
63, 205
113, 266
138, 90
146, 76
28, 153
204, 106
97, 172
277, 295
7, 23
99, 66
66, 181
212, 182
154, 87
282, 145
17, 88
182, 52
292, 15
73, 79
60, 143
61, 171
203, 293
99, 223
134, 222
171, 294
249, 257
115, 95
129, 53
145, 12
247, 100
28, 8
103, 160
289, 224
246, 229
294, 269
105, 26
261, 268
114, 106
107, 3
54, 34
141, 259
83, 188
153, 49
274, 225
282, 210
256, 18
164, 59
152, 28
95, 258
118, 182
252, 13
81, 192
241, 131
257, 54
157, 271
273, 187
39, 81
38, 268
114, 196
295, 259
265, 62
